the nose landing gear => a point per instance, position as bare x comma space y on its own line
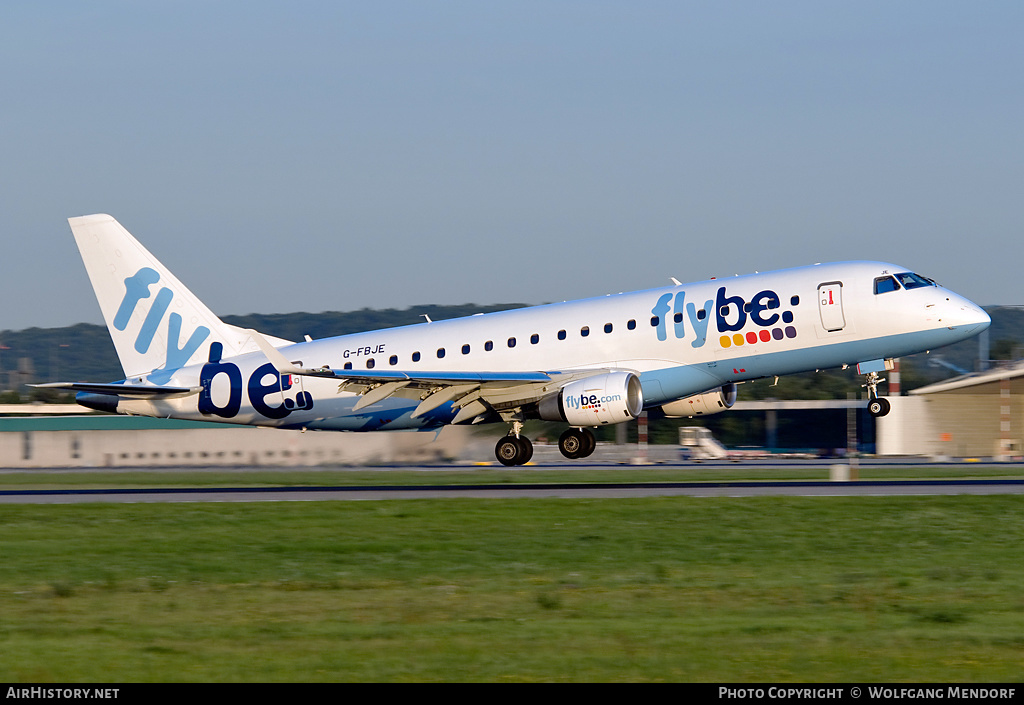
877, 406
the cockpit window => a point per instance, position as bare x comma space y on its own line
885, 284
910, 280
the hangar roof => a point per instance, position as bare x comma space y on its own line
968, 384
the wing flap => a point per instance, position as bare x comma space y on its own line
441, 395
474, 392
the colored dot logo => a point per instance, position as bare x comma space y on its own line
752, 338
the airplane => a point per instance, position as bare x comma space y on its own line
682, 348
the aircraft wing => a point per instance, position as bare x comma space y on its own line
477, 394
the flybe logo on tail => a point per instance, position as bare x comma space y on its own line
137, 288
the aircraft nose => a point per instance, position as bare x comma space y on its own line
965, 315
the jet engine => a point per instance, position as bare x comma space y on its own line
595, 401
702, 404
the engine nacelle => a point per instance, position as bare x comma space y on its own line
595, 401
702, 404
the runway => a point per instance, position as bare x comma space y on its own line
515, 491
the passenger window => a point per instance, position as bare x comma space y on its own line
370, 363
440, 353
561, 335
584, 331
534, 339
678, 318
393, 360
607, 327
465, 349
416, 357
655, 321
631, 325
511, 342
489, 345
885, 284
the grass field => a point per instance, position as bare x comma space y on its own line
482, 475
664, 589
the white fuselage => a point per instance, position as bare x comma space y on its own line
680, 340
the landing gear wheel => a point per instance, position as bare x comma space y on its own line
570, 443
589, 443
527, 447
878, 406
508, 450
577, 443
513, 450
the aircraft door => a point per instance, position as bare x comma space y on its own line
830, 306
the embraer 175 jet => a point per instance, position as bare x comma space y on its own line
588, 363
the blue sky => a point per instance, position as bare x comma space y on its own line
335, 155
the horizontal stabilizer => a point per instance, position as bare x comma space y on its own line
122, 390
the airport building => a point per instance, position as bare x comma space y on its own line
88, 440
976, 415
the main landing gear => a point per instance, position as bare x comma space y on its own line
516, 449
577, 443
877, 406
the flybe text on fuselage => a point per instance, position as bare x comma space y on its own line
732, 313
